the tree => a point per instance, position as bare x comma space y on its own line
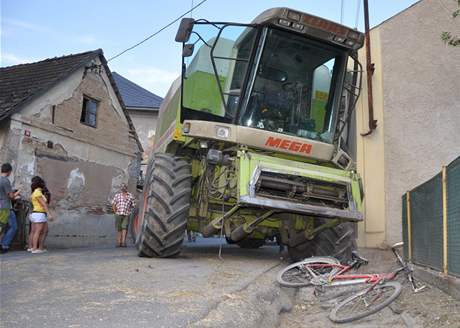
447, 37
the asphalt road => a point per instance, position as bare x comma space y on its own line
112, 287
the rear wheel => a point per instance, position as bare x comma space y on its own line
300, 274
338, 242
366, 302
166, 202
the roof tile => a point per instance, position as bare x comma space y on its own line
134, 95
20, 83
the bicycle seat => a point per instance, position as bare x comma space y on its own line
359, 260
397, 245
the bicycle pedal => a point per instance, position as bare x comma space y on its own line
419, 289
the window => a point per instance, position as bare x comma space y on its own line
89, 111
293, 92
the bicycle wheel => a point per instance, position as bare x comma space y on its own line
366, 302
301, 273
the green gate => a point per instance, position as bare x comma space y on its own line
431, 221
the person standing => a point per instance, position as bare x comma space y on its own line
39, 216
6, 195
122, 204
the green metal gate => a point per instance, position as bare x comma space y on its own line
453, 217
431, 221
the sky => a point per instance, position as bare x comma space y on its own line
33, 30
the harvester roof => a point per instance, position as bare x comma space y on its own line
314, 26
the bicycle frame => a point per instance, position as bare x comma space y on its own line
341, 279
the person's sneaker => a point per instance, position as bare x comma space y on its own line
29, 249
37, 251
4, 250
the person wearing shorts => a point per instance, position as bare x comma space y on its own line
122, 204
39, 216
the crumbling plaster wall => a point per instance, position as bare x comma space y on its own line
83, 166
4, 131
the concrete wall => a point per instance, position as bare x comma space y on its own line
83, 166
370, 153
145, 122
416, 86
421, 84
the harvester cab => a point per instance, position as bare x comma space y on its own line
251, 138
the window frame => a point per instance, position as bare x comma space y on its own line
85, 120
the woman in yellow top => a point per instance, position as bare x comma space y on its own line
39, 216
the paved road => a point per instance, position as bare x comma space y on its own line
115, 288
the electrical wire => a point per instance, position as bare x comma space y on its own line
342, 5
358, 9
157, 32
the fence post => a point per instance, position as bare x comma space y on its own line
409, 229
444, 221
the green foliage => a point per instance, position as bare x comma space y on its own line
447, 37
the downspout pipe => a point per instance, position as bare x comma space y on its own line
369, 72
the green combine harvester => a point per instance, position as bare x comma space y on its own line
251, 139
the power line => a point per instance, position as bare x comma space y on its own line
341, 11
157, 32
358, 9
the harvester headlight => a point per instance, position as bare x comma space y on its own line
297, 26
284, 22
222, 132
350, 43
339, 39
186, 128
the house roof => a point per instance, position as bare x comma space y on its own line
135, 95
21, 84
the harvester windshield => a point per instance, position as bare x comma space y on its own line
265, 78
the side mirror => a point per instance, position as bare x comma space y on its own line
187, 50
185, 30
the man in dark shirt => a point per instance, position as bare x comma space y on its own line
6, 195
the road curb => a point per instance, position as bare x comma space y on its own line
446, 283
258, 305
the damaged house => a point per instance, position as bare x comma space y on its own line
64, 119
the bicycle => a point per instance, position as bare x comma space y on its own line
328, 272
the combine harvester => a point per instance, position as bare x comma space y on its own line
251, 138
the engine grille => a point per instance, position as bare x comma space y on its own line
306, 190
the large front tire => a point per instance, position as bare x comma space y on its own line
338, 242
166, 202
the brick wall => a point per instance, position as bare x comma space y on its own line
111, 129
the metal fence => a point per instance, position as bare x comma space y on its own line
431, 221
